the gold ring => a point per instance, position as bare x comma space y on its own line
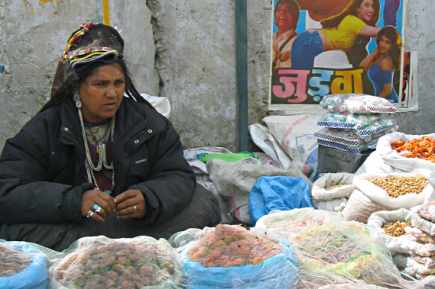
135, 208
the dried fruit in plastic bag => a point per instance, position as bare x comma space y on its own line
101, 262
230, 246
12, 261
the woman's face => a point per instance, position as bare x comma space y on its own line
366, 11
283, 17
384, 45
102, 92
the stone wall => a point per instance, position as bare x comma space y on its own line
184, 50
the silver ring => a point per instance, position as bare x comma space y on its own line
135, 208
90, 214
96, 208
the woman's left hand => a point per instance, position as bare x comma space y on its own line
130, 205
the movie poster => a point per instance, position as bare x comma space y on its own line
322, 47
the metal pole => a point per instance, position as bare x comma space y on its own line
106, 12
242, 72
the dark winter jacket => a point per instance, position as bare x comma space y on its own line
43, 177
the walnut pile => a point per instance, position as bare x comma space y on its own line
395, 229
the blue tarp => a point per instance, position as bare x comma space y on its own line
278, 193
280, 271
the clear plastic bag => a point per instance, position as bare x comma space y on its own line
232, 257
346, 249
364, 126
337, 247
357, 103
283, 225
100, 262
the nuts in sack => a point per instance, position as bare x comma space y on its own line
397, 186
395, 229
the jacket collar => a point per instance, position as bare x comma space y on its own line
129, 122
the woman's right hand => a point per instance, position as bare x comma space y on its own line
100, 198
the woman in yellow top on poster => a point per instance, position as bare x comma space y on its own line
356, 21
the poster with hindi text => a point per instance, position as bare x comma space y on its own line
322, 47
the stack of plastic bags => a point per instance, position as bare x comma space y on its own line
355, 122
232, 257
22, 266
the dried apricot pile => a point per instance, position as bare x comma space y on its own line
422, 148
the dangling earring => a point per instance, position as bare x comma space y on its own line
77, 101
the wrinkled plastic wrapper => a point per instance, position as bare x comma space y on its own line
22, 265
233, 257
100, 262
339, 247
357, 103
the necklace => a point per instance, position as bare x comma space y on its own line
101, 150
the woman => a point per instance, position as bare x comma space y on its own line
93, 162
286, 19
381, 64
339, 33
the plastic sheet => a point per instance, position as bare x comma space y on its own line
22, 266
100, 262
232, 257
278, 193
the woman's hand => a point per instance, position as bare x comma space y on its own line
130, 205
97, 197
